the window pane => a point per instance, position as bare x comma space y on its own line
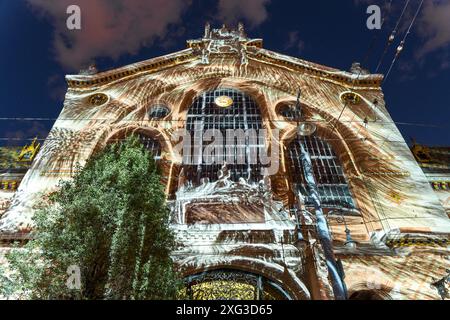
242, 114
328, 173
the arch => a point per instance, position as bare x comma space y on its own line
118, 134
329, 175
365, 280
225, 111
361, 291
342, 140
164, 157
369, 295
148, 138
226, 284
336, 134
194, 88
280, 277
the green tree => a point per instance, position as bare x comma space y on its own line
111, 220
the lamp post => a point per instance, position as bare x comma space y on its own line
321, 223
300, 237
349, 242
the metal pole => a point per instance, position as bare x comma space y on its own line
324, 236
322, 227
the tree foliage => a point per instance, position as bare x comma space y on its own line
111, 220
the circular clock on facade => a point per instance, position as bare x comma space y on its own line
223, 101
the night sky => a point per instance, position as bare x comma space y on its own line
37, 50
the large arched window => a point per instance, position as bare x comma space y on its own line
151, 145
224, 109
329, 176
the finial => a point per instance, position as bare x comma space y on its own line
91, 69
207, 29
241, 29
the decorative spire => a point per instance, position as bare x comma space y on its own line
241, 30
223, 40
207, 30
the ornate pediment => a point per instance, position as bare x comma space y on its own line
221, 42
224, 41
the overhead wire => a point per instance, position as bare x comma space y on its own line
403, 42
375, 37
392, 36
367, 55
184, 120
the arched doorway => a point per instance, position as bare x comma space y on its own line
369, 295
225, 110
229, 284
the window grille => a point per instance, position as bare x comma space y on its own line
228, 284
158, 112
329, 176
151, 145
243, 114
290, 112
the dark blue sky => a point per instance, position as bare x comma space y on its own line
328, 32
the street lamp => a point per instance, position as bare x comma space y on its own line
298, 224
349, 242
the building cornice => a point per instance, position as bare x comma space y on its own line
202, 49
147, 66
348, 78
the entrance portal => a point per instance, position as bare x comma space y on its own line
227, 284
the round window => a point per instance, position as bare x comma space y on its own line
289, 112
350, 97
98, 99
158, 112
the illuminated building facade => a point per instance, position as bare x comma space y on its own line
347, 208
435, 163
14, 164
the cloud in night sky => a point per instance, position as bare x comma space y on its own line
109, 28
112, 28
294, 42
432, 27
253, 12
435, 26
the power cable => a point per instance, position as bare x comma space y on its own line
402, 43
392, 36
183, 120
375, 37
